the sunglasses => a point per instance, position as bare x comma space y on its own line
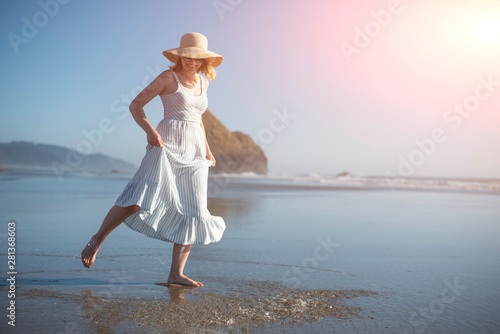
187, 60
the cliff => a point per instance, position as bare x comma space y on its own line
235, 152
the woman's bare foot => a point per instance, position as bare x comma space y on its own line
90, 251
183, 280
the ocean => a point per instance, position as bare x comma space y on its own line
302, 253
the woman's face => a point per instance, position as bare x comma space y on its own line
191, 64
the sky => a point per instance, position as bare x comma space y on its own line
392, 88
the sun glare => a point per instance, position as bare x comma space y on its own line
475, 30
454, 39
485, 30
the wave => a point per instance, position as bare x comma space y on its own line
347, 181
285, 180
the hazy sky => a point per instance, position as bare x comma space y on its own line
407, 88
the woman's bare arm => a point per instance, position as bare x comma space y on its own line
137, 108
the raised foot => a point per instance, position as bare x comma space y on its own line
90, 251
183, 280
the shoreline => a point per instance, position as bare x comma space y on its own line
270, 181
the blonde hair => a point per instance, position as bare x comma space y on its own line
206, 68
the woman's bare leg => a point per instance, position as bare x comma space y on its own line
180, 254
115, 217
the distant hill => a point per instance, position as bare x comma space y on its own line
22, 154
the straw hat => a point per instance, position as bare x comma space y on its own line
193, 45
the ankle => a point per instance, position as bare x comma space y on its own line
97, 239
175, 275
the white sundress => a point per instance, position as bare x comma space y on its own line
170, 185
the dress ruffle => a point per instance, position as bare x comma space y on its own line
162, 215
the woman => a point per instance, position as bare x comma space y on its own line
167, 197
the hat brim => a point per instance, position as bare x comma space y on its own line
192, 52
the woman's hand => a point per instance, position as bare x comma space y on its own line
154, 139
211, 157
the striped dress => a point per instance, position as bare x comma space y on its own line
170, 185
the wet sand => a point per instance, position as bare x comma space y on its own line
386, 261
241, 307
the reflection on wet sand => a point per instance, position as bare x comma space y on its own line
230, 208
243, 306
176, 291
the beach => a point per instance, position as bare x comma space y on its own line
301, 254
